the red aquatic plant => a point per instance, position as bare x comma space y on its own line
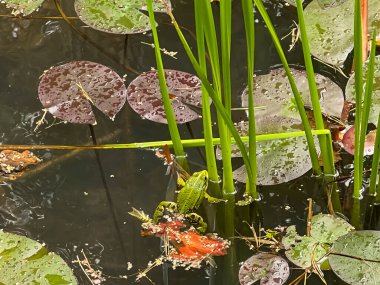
186, 245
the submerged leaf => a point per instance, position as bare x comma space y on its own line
144, 96
25, 261
331, 30
348, 141
14, 161
363, 245
117, 16
24, 7
269, 268
375, 103
325, 230
67, 91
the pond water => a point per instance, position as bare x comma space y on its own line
79, 200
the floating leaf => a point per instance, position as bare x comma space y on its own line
186, 247
144, 96
67, 91
116, 16
325, 230
273, 93
281, 160
24, 7
328, 228
375, 103
362, 245
331, 30
269, 268
286, 159
25, 261
348, 141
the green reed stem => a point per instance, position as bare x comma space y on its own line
375, 166
249, 25
328, 161
206, 113
358, 155
172, 124
225, 39
297, 96
213, 51
169, 143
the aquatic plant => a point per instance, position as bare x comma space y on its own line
25, 261
68, 91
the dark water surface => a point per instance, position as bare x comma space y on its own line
65, 205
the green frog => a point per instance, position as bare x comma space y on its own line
189, 198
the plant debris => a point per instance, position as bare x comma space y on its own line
12, 162
185, 248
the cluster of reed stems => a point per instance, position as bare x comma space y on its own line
218, 88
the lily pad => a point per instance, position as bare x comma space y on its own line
361, 244
144, 96
283, 160
269, 268
116, 16
325, 230
25, 261
375, 105
348, 141
67, 91
278, 161
24, 7
331, 30
272, 91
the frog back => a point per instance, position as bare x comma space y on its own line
192, 194
188, 199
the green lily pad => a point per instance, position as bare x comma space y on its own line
272, 91
278, 161
25, 261
283, 160
375, 105
361, 244
325, 230
331, 30
24, 7
116, 16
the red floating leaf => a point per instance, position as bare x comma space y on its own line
67, 91
144, 96
348, 141
187, 245
195, 247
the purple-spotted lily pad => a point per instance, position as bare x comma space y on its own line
144, 96
269, 268
117, 16
67, 91
24, 7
